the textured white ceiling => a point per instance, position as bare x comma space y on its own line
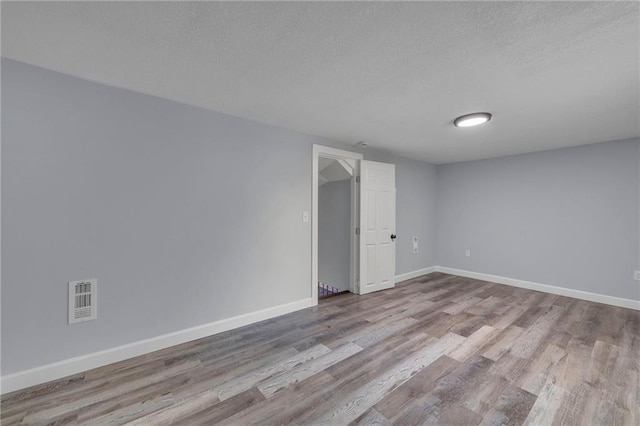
392, 74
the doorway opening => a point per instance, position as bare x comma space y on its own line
372, 219
334, 222
334, 225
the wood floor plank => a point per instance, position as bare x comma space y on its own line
448, 394
528, 342
573, 406
508, 317
406, 310
470, 325
437, 349
402, 397
473, 343
372, 333
484, 397
510, 367
287, 405
541, 369
307, 369
209, 378
372, 418
58, 410
458, 307
128, 413
490, 305
131, 405
360, 370
366, 365
366, 397
511, 408
178, 410
246, 381
381, 332
330, 332
602, 362
216, 412
454, 414
495, 349
546, 406
576, 364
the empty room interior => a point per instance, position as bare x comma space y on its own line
320, 213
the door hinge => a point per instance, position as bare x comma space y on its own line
357, 231
357, 179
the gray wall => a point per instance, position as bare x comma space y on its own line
184, 215
187, 216
334, 235
415, 214
566, 217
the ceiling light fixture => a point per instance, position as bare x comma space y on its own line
474, 119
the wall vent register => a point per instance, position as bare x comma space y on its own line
83, 300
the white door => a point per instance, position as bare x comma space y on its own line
377, 226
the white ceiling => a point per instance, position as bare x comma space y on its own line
392, 74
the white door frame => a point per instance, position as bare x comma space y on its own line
338, 154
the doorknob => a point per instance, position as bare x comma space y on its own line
393, 237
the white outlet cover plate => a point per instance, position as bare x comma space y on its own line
636, 275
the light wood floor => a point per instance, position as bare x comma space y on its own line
435, 350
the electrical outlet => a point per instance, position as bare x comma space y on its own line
467, 253
415, 245
636, 275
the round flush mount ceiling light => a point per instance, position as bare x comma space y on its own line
474, 119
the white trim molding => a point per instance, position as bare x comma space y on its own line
67, 367
545, 288
60, 369
415, 274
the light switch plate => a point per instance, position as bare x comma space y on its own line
305, 216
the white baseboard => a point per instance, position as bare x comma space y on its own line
561, 291
415, 274
57, 370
